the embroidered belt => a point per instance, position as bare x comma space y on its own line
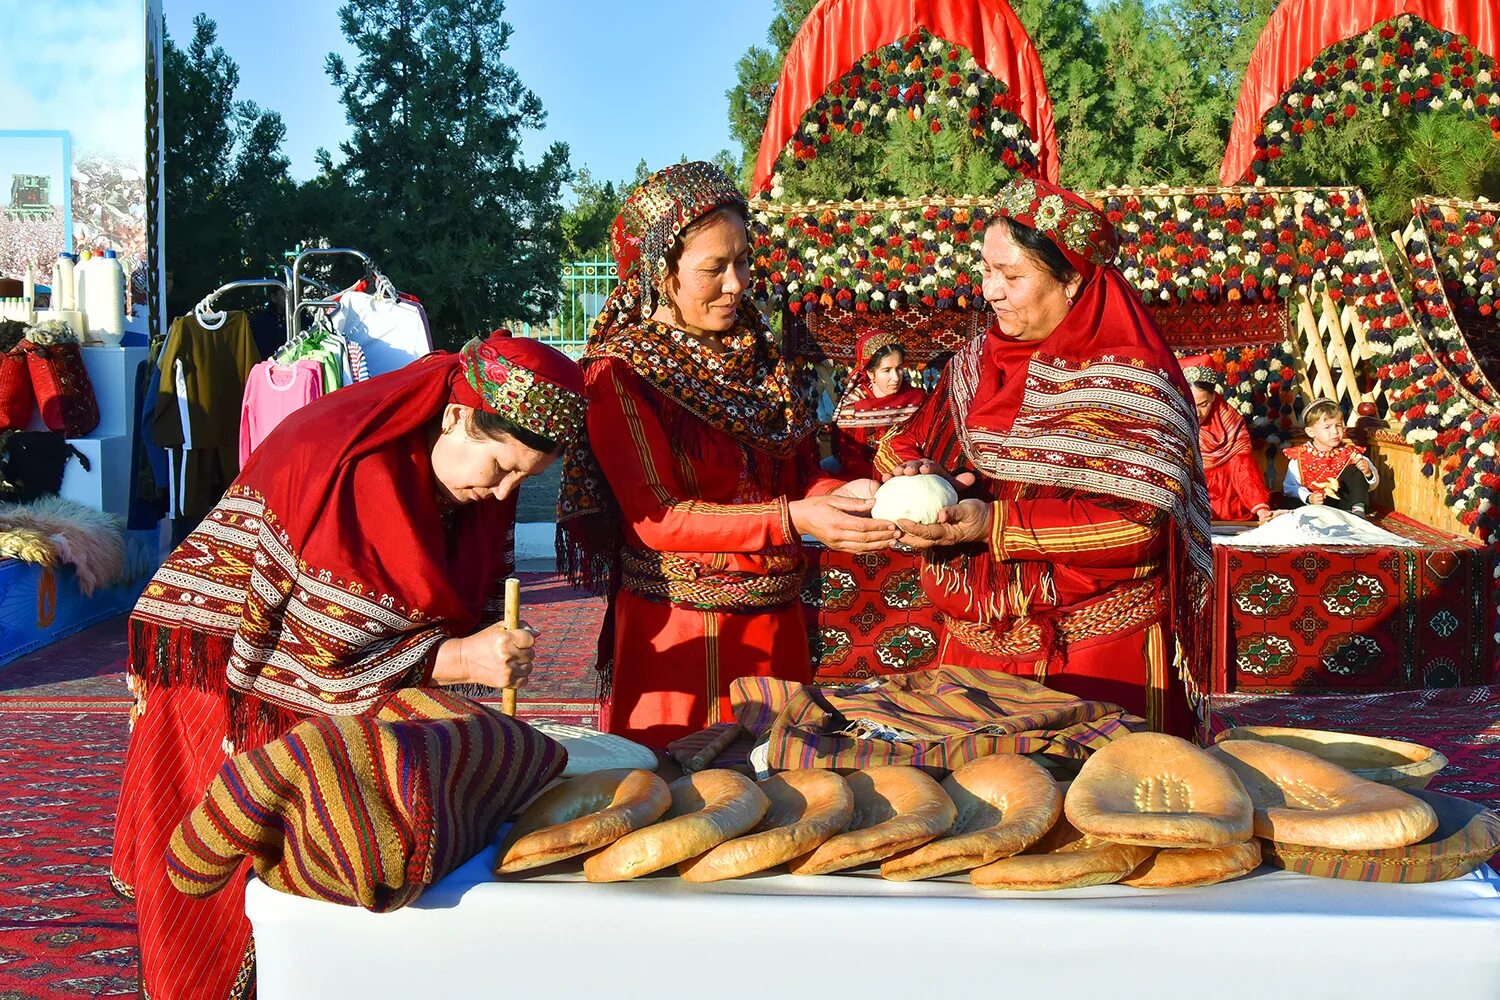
673, 579
1123, 611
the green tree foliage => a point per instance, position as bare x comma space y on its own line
229, 198
586, 225
433, 180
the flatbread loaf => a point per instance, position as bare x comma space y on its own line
708, 808
1005, 804
1158, 791
807, 807
583, 814
1185, 867
1064, 859
1467, 836
1303, 799
896, 808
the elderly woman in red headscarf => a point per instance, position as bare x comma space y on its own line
1237, 488
878, 398
687, 497
1081, 557
360, 551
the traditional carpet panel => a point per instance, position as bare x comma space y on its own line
867, 615
1331, 619
365, 812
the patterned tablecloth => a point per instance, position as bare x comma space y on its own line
1309, 620
1326, 620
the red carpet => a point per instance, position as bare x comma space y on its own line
63, 933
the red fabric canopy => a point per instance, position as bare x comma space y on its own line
1300, 29
838, 33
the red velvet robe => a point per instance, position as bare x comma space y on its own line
698, 508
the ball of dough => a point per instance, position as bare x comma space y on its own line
913, 498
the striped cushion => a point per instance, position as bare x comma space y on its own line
365, 811
1467, 835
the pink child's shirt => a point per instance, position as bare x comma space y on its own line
272, 393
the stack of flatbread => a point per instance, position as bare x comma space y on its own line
1146, 810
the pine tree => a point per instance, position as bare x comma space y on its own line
437, 189
228, 190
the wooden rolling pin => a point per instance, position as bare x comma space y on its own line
512, 621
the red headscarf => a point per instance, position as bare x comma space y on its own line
330, 571
860, 407
1222, 433
1100, 405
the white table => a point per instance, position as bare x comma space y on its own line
1272, 935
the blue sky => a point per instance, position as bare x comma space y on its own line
621, 81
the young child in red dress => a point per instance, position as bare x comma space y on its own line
1329, 468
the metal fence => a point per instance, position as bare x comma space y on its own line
586, 284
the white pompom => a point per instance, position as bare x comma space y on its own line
913, 498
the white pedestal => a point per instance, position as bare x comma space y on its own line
106, 484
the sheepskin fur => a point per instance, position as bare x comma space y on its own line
52, 332
53, 530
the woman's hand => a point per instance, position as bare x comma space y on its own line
1264, 515
966, 521
842, 523
927, 467
1315, 498
859, 489
497, 656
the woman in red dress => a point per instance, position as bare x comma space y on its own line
697, 476
358, 552
878, 398
1237, 489
1081, 557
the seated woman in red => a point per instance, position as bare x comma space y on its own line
1236, 487
879, 397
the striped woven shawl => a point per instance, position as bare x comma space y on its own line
365, 811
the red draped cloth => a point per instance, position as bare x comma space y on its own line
1236, 487
838, 33
1299, 29
324, 580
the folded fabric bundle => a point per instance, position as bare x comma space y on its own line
365, 811
935, 719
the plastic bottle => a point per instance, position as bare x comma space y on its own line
110, 293
63, 283
80, 282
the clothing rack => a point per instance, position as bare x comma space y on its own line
293, 283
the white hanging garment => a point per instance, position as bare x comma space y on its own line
391, 332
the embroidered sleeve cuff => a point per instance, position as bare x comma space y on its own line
784, 521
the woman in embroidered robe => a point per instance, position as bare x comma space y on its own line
1237, 488
1080, 555
687, 497
357, 553
878, 398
